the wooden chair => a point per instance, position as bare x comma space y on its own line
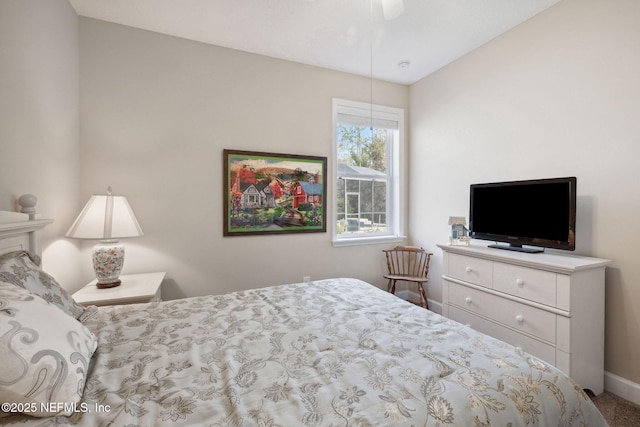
408, 264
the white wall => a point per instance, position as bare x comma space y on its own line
557, 96
157, 111
39, 120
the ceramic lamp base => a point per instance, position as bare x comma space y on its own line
108, 259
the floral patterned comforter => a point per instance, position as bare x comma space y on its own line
334, 352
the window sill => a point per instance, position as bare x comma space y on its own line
372, 240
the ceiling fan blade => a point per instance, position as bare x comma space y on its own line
391, 9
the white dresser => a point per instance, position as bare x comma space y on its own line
550, 305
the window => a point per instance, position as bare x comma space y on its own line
367, 153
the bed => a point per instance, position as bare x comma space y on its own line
337, 352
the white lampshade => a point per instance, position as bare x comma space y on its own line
107, 218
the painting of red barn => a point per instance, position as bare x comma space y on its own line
269, 193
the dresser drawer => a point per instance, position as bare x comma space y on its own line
532, 346
521, 317
528, 283
469, 269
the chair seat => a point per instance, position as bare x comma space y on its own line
405, 278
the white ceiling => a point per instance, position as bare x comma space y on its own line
343, 35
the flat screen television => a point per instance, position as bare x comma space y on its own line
540, 213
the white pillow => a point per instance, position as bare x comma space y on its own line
44, 355
22, 268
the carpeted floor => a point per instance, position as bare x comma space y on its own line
617, 411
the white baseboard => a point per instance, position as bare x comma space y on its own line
622, 387
434, 306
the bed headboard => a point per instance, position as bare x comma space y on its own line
19, 230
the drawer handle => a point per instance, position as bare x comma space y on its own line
468, 269
520, 319
468, 300
520, 282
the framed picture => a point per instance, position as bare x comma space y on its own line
268, 193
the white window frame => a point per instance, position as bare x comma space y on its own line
395, 160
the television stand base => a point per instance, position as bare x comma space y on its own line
517, 248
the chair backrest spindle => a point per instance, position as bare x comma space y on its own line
408, 261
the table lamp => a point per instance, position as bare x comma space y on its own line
106, 218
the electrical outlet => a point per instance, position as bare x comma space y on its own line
306, 278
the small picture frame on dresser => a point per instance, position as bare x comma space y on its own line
459, 231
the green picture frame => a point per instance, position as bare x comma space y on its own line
271, 193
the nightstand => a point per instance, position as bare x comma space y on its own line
135, 288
